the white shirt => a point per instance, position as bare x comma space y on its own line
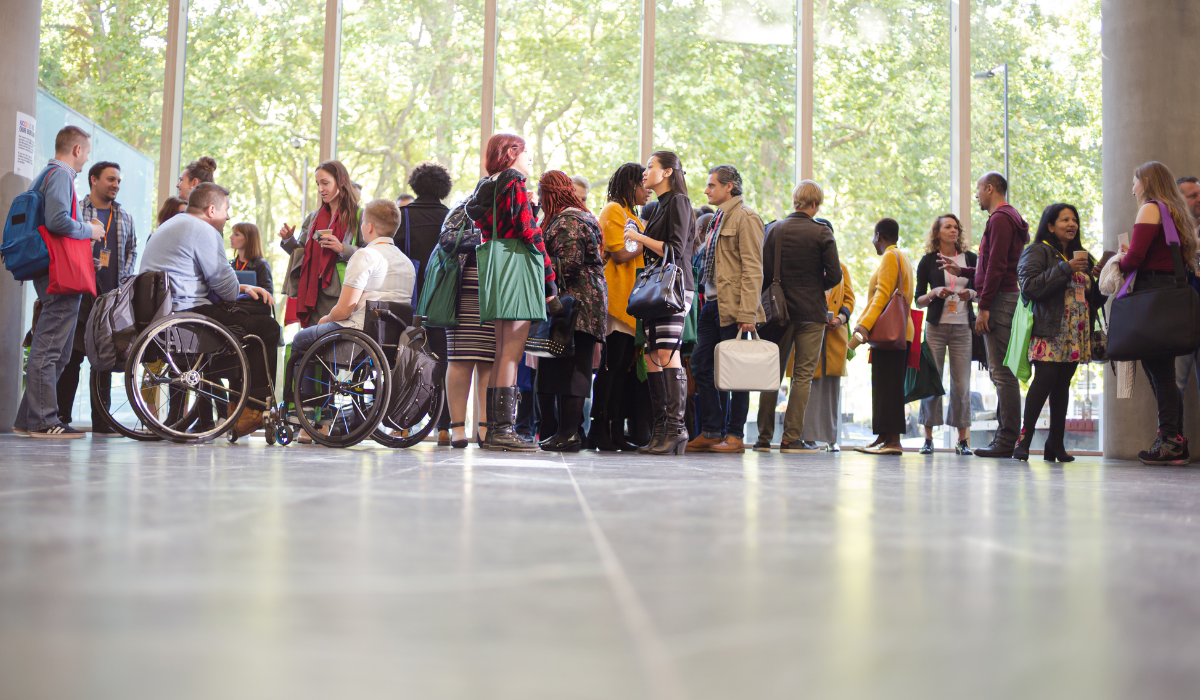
955, 285
383, 272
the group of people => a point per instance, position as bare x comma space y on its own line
564, 259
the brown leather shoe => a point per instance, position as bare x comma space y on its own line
248, 422
730, 445
703, 444
443, 438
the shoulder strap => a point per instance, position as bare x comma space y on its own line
778, 246
1172, 235
899, 273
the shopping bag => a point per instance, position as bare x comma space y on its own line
746, 365
71, 268
925, 381
1017, 357
510, 281
438, 302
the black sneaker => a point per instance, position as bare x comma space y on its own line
761, 445
1166, 452
792, 447
927, 448
57, 432
963, 448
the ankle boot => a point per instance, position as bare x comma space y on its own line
600, 436
503, 436
1055, 449
673, 438
1021, 449
616, 429
658, 408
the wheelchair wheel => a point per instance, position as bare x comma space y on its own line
119, 413
415, 434
342, 382
181, 371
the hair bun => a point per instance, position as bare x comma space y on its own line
208, 163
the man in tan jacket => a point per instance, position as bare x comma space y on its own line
731, 274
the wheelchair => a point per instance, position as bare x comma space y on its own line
187, 379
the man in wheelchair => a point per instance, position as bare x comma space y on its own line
190, 248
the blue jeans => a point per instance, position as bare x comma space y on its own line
1186, 365
721, 412
48, 356
307, 336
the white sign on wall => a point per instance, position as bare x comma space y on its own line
23, 158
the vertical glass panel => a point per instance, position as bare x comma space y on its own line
881, 145
566, 80
725, 92
254, 84
411, 80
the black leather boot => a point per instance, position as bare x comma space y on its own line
489, 423
1021, 449
1055, 449
600, 436
657, 383
617, 431
673, 438
503, 436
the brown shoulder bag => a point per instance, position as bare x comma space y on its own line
890, 331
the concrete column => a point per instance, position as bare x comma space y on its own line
19, 38
1151, 98
646, 110
962, 188
331, 78
805, 39
172, 114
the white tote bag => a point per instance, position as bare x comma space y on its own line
746, 365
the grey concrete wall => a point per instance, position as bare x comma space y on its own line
1151, 72
19, 35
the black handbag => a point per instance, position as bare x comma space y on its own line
774, 303
658, 289
554, 337
1100, 341
1157, 322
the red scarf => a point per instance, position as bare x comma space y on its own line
319, 265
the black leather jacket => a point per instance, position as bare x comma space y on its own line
1043, 277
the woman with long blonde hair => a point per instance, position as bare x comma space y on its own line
1150, 255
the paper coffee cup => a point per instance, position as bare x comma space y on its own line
1081, 255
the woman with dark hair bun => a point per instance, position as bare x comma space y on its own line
328, 236
670, 232
500, 208
420, 227
203, 169
1057, 280
625, 194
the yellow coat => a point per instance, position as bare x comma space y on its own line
883, 285
619, 276
834, 362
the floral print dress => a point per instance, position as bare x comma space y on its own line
573, 242
1073, 342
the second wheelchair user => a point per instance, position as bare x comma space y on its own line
378, 271
190, 248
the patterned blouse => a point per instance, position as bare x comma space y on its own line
573, 242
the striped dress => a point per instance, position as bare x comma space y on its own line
471, 341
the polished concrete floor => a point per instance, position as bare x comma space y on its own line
224, 572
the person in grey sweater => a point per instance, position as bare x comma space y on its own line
190, 248
54, 334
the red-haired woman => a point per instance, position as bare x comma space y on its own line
508, 164
573, 242
329, 235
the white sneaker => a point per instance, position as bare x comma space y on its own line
21, 431
57, 432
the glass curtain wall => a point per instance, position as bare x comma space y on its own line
725, 92
253, 84
567, 73
410, 84
881, 145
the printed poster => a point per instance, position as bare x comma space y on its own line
23, 158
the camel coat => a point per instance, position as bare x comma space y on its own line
841, 301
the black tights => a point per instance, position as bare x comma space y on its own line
1050, 380
565, 421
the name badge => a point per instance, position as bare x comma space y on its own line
1079, 295
951, 306
104, 256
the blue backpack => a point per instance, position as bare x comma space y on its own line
24, 251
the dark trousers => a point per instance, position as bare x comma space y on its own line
1050, 380
608, 391
68, 385
437, 343
721, 412
264, 327
1161, 372
887, 391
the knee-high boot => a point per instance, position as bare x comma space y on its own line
657, 383
673, 438
503, 435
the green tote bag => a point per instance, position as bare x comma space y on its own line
439, 297
511, 286
1017, 357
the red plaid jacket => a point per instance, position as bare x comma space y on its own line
516, 220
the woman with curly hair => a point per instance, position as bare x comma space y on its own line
949, 321
573, 243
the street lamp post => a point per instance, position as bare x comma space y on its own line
984, 75
295, 142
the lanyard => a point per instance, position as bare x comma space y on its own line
239, 265
1056, 250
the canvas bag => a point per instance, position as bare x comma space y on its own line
746, 365
1017, 356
